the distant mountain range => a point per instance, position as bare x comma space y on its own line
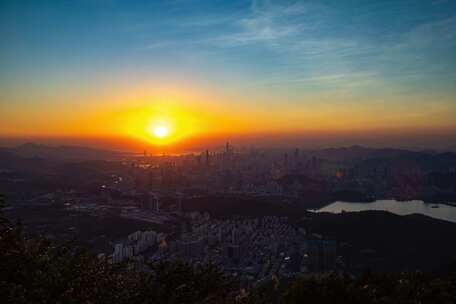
345, 154
359, 153
32, 150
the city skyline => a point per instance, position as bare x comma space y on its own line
276, 73
215, 151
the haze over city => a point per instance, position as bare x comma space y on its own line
307, 73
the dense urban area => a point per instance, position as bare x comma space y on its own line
251, 213
246, 210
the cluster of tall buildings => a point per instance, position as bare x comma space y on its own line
251, 248
225, 170
136, 243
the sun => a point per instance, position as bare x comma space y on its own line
160, 131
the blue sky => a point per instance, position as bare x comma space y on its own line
301, 41
275, 52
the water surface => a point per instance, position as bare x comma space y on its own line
443, 212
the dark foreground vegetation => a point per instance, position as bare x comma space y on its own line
37, 271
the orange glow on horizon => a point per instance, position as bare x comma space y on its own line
192, 115
157, 125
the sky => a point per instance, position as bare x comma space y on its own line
277, 72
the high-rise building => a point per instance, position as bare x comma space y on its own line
150, 201
179, 203
191, 247
207, 158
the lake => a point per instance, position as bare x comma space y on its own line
443, 212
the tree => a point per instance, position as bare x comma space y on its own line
36, 270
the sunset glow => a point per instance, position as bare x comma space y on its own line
264, 70
160, 131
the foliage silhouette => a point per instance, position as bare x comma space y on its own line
34, 270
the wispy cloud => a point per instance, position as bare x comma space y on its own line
335, 81
265, 25
308, 42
